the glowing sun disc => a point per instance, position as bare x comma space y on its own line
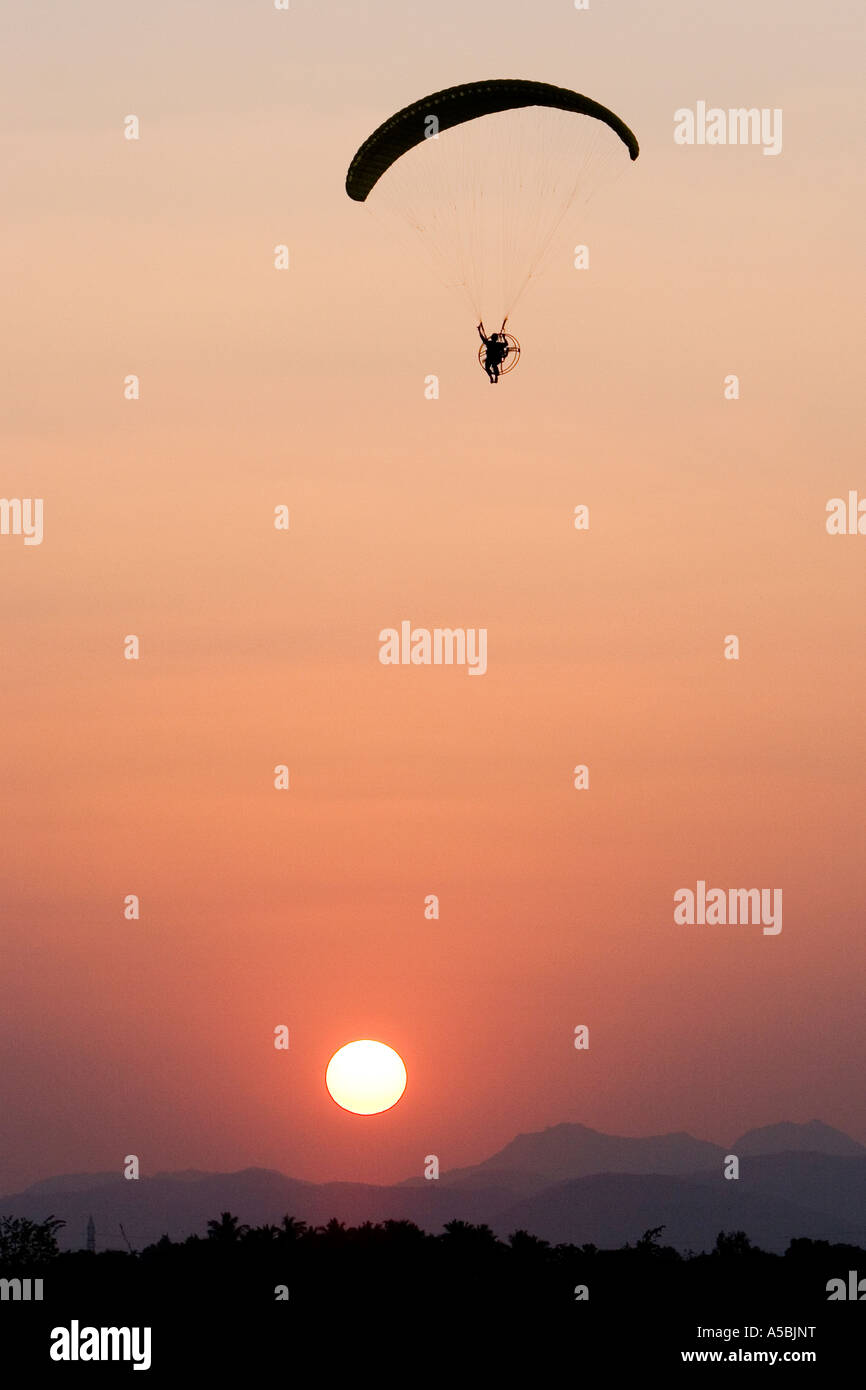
366, 1077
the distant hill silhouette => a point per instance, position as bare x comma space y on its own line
151, 1207
815, 1137
574, 1151
603, 1209
72, 1182
566, 1183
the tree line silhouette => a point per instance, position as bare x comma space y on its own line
292, 1279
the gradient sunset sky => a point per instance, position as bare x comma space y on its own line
260, 647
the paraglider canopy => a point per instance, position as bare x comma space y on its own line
485, 173
454, 106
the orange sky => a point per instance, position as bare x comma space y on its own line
307, 388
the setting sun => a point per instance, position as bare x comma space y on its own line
366, 1077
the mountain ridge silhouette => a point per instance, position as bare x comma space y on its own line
585, 1186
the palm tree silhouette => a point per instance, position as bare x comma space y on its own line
335, 1232
291, 1230
228, 1229
465, 1234
522, 1243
